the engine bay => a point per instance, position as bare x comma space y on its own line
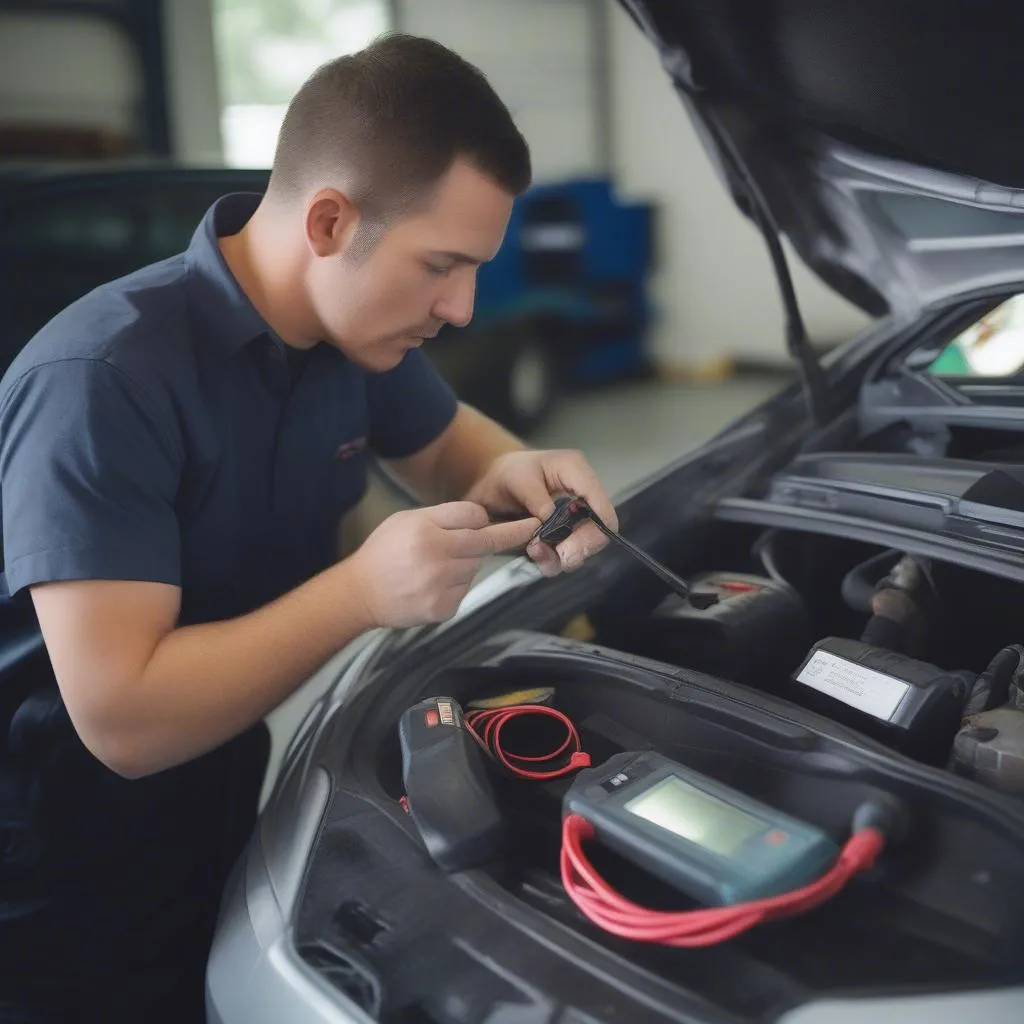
918, 654
814, 674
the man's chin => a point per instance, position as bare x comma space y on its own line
385, 358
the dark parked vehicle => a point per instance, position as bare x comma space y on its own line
65, 230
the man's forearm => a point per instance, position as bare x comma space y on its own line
470, 449
448, 468
207, 683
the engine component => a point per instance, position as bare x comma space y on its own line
909, 705
861, 582
903, 608
990, 749
754, 633
447, 793
1001, 683
990, 746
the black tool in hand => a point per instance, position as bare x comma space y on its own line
571, 511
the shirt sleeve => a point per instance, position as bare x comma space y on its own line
409, 406
89, 471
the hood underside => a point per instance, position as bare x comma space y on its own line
884, 139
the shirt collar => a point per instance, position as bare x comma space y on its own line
220, 306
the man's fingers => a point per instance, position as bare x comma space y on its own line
545, 558
497, 537
570, 472
458, 515
586, 539
532, 492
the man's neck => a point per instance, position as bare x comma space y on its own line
258, 257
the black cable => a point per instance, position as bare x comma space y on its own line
766, 553
797, 340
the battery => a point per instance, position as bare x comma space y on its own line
754, 632
909, 705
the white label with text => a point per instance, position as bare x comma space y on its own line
869, 691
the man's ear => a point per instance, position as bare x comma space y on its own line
331, 222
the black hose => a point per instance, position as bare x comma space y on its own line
765, 551
858, 586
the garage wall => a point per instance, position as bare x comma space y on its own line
193, 90
545, 59
542, 57
715, 289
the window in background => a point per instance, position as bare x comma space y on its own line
267, 48
992, 347
71, 86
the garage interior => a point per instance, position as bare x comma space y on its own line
203, 83
804, 632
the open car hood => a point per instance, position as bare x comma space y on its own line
885, 140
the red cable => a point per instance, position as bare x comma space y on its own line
614, 913
493, 721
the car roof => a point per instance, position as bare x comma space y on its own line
18, 173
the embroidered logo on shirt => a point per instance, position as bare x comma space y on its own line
350, 448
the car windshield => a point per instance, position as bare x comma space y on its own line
991, 347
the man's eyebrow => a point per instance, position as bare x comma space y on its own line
459, 257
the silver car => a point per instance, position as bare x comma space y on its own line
859, 542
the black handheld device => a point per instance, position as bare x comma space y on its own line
447, 791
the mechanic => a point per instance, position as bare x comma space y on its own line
176, 451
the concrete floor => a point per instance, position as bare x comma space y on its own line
632, 430
627, 432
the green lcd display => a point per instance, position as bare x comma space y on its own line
692, 814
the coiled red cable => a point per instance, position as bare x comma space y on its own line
615, 914
486, 727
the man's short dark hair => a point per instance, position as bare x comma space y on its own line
389, 121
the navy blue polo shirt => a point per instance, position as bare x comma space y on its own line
158, 430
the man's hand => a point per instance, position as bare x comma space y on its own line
530, 481
145, 694
418, 565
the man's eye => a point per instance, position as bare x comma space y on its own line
432, 268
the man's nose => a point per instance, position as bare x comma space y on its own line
456, 306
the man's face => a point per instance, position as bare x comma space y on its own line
420, 275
